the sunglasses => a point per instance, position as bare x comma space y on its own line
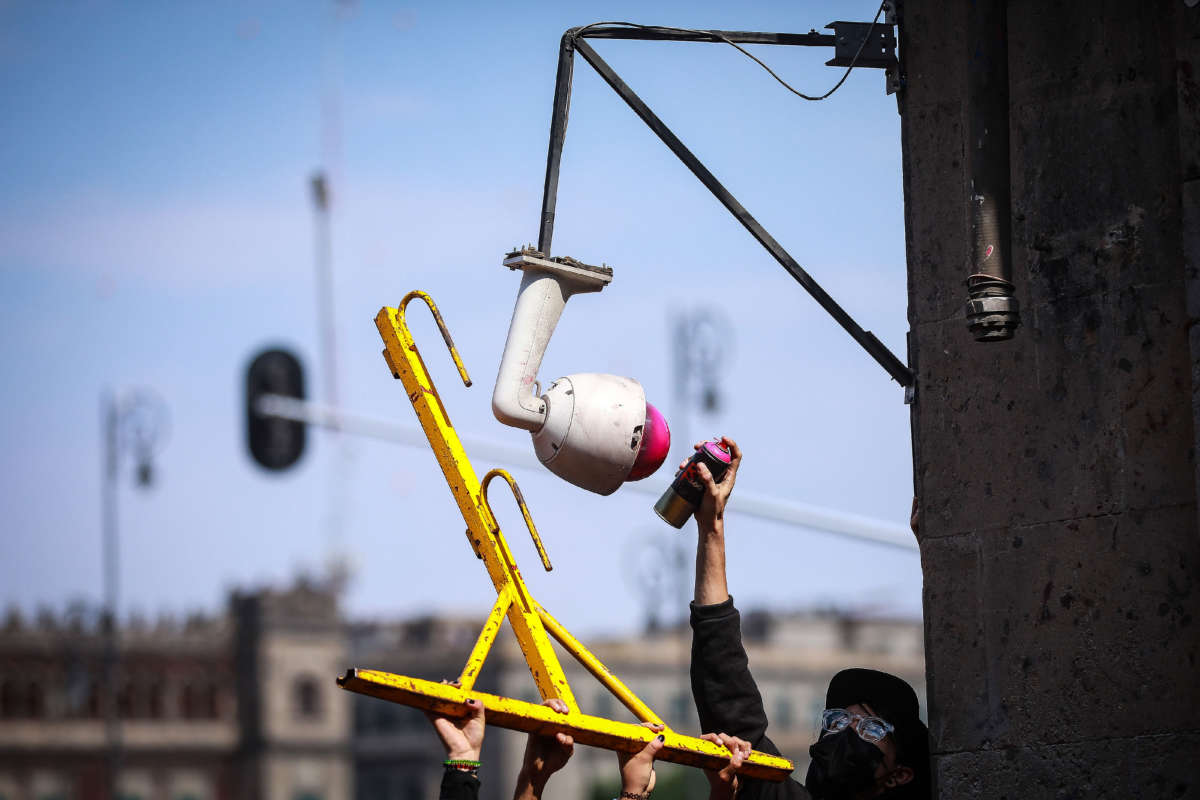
869, 729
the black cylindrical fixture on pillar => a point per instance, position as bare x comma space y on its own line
993, 313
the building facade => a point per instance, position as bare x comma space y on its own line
214, 708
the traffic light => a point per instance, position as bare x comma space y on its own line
275, 443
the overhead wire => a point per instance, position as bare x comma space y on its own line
722, 37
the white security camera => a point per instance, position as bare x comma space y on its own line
595, 431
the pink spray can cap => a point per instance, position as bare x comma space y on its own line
718, 451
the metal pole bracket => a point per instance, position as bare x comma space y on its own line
849, 38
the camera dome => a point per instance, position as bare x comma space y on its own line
597, 427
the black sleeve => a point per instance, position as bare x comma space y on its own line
459, 786
727, 699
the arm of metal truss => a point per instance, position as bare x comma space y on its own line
598, 670
652, 33
894, 366
442, 698
483, 644
558, 133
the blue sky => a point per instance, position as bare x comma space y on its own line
156, 230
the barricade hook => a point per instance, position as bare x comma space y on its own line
516, 490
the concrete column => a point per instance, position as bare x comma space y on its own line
1056, 472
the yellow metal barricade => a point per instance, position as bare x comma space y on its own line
532, 624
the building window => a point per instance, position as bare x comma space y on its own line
188, 702
209, 702
681, 708
15, 704
8, 699
35, 701
154, 701
306, 696
94, 705
198, 702
125, 701
784, 716
604, 704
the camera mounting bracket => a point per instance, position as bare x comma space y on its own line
583, 277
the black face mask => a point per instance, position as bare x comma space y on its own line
843, 764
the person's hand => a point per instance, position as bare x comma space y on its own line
544, 756
461, 736
637, 769
712, 503
723, 783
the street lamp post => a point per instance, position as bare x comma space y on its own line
134, 423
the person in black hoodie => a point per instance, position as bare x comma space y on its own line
872, 741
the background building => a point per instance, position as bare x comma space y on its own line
238, 705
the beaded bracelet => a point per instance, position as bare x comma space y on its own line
461, 764
634, 796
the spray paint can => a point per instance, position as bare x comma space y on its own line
682, 497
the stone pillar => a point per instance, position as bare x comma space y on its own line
1056, 472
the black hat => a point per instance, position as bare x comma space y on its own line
890, 697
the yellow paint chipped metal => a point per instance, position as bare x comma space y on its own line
520, 498
444, 698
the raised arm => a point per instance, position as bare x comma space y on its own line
462, 736
711, 587
727, 699
544, 756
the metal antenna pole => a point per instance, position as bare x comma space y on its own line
698, 337
134, 421
324, 264
335, 515
325, 183
110, 546
681, 369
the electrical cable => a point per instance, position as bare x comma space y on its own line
720, 36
